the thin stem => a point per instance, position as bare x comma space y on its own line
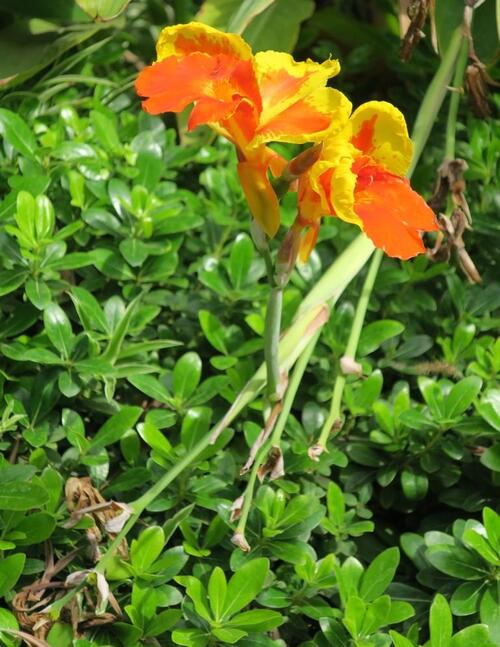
289, 398
434, 98
271, 341
458, 77
142, 502
352, 346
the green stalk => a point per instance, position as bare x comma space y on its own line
434, 97
271, 342
290, 394
351, 348
426, 117
307, 323
458, 77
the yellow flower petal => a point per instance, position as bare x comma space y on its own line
308, 119
180, 40
378, 129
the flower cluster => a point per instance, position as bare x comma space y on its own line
356, 175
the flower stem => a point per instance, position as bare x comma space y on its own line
434, 97
290, 394
351, 348
271, 342
458, 77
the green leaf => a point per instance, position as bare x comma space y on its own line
376, 333
245, 585
256, 620
335, 503
379, 574
102, 10
104, 128
399, 640
245, 13
229, 636
18, 495
152, 387
155, 439
196, 591
213, 330
186, 375
491, 521
217, 586
481, 545
10, 571
17, 132
277, 27
114, 428
461, 396
489, 408
456, 562
38, 292
58, 329
465, 598
473, 635
489, 610
440, 622
112, 352
414, 485
190, 637
240, 259
88, 309
146, 548
491, 458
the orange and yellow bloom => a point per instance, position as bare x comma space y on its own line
253, 100
360, 179
250, 99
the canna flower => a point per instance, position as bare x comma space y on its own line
249, 99
360, 178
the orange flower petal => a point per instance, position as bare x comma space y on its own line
309, 240
393, 215
260, 196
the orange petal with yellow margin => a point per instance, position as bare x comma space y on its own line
393, 215
260, 196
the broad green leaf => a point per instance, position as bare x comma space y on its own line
155, 439
102, 10
414, 485
481, 545
440, 622
58, 329
461, 396
473, 635
10, 571
399, 640
190, 637
246, 12
146, 548
277, 27
152, 387
217, 586
335, 503
448, 15
186, 375
245, 585
376, 333
18, 495
491, 521
114, 428
489, 610
89, 310
379, 574
491, 457
198, 594
456, 562
228, 636
256, 620
465, 598
240, 260
17, 132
